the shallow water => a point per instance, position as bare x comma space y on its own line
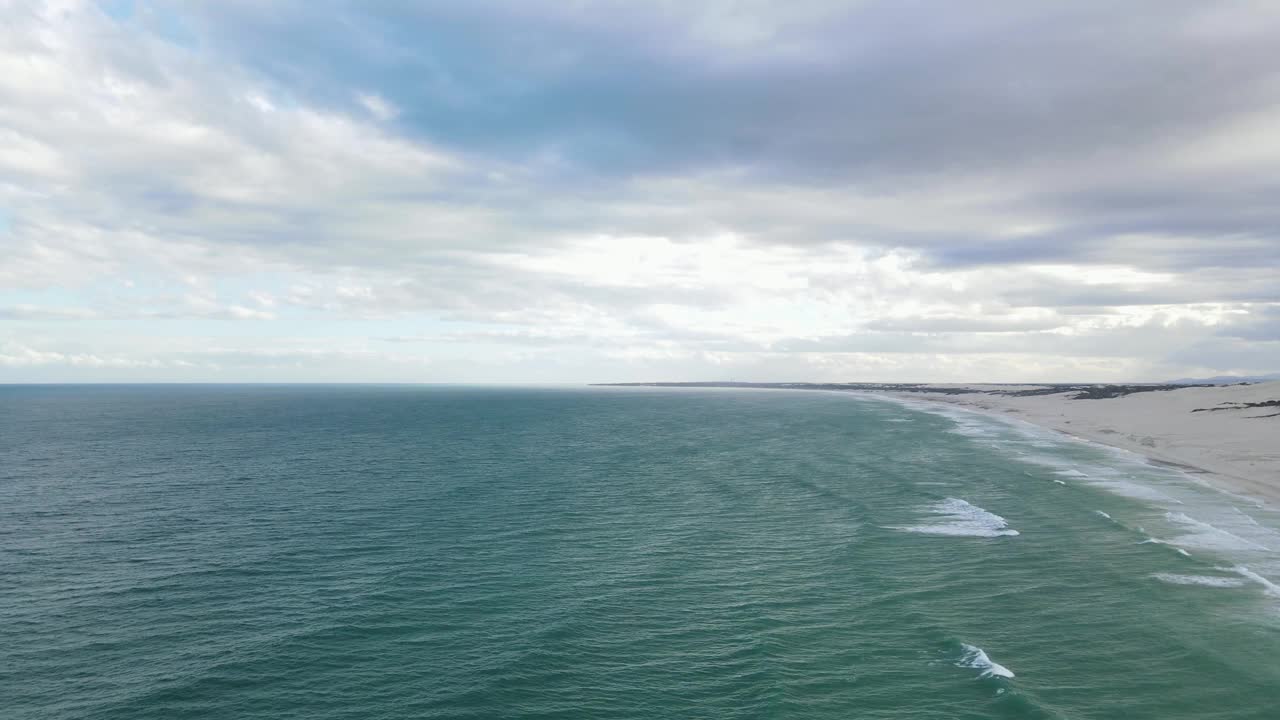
411, 552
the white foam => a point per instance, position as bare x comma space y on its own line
1103, 514
1268, 587
1121, 472
976, 658
1202, 520
1137, 491
1202, 580
1207, 537
958, 518
1248, 517
1158, 541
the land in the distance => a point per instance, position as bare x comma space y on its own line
1229, 434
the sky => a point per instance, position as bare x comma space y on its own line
590, 191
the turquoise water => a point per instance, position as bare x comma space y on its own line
409, 552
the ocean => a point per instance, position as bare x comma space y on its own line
390, 552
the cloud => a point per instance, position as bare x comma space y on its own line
1061, 117
1260, 323
41, 313
578, 191
13, 355
961, 324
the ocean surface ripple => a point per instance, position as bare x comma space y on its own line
447, 552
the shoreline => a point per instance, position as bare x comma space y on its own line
1255, 477
1224, 437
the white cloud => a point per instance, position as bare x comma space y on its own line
144, 181
378, 106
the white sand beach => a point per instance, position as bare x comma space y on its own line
1232, 446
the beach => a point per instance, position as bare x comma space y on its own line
1227, 436
1222, 434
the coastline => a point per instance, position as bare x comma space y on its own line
1235, 452
1227, 437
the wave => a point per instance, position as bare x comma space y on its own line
1158, 541
976, 658
1207, 537
1199, 518
959, 518
1116, 470
1202, 580
1103, 514
1268, 587
1135, 490
1248, 517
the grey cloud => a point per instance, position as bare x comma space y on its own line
825, 88
1072, 104
1254, 285
954, 324
875, 99
970, 143
40, 313
1154, 339
1260, 324
1233, 355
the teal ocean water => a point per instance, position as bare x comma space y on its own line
411, 552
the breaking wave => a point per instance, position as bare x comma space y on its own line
1202, 580
976, 658
960, 518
